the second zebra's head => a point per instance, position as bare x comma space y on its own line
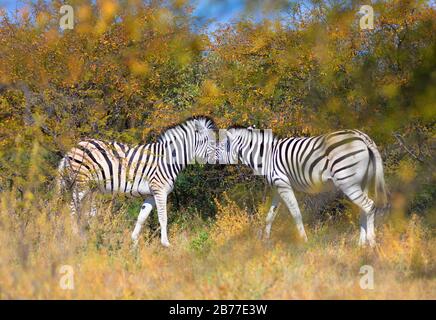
228, 149
244, 145
205, 140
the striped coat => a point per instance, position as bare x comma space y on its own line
347, 160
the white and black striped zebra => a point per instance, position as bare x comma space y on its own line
348, 160
148, 170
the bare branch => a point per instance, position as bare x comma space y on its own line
403, 144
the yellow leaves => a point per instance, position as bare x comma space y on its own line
271, 85
334, 104
84, 13
406, 171
84, 19
24, 13
42, 19
178, 4
162, 20
390, 90
108, 10
163, 115
138, 68
258, 44
210, 93
134, 27
183, 49
320, 50
75, 68
52, 36
100, 27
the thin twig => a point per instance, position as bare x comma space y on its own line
402, 143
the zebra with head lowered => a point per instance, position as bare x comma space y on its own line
348, 160
148, 170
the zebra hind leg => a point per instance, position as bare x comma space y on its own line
366, 205
76, 199
146, 209
363, 227
78, 195
93, 208
363, 224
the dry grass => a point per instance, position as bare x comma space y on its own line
220, 260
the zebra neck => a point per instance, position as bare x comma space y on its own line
178, 153
179, 146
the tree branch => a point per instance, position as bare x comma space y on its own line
403, 144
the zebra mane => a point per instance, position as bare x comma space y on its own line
207, 121
253, 129
237, 126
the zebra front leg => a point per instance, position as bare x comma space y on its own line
146, 209
288, 197
272, 213
161, 205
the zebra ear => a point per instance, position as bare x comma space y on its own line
199, 126
230, 135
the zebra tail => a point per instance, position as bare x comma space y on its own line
61, 183
380, 193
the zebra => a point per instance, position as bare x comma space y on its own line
148, 171
348, 160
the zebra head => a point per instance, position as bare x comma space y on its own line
205, 140
227, 150
191, 141
238, 145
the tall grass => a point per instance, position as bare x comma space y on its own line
221, 259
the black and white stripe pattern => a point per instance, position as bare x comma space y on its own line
348, 160
147, 170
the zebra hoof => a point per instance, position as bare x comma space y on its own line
372, 243
135, 242
259, 234
166, 244
363, 243
268, 243
304, 238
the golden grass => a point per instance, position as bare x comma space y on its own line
224, 259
